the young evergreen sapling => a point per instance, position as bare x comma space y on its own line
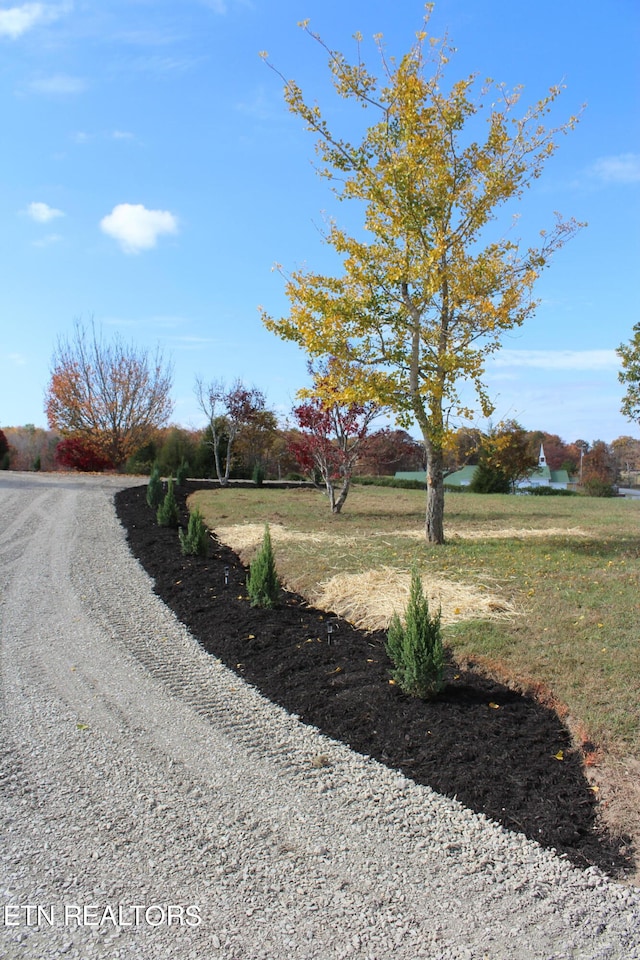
182, 472
168, 510
415, 647
262, 583
154, 488
195, 541
258, 474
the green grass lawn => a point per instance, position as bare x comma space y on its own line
575, 588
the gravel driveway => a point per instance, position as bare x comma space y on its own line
154, 806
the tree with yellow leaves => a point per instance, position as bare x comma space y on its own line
629, 376
506, 458
428, 289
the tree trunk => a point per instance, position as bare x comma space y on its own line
331, 493
216, 455
430, 424
231, 436
222, 479
434, 525
339, 503
227, 471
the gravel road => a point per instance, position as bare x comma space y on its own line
154, 806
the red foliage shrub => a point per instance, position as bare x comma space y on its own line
78, 455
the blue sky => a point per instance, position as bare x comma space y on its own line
151, 176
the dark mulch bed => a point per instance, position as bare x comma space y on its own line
492, 748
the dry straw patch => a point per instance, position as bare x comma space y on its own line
504, 533
244, 538
369, 599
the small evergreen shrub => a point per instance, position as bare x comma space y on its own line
489, 479
594, 487
258, 475
383, 481
138, 467
547, 492
168, 510
262, 583
195, 541
154, 488
182, 472
415, 647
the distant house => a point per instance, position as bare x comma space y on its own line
420, 476
541, 476
461, 478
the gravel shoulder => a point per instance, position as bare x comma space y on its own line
154, 806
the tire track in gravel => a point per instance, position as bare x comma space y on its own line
140, 770
85, 676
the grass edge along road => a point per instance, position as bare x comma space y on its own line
548, 587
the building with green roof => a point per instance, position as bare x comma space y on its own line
540, 476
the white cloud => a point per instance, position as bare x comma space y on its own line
623, 168
59, 85
557, 359
18, 359
191, 343
42, 212
82, 137
48, 241
261, 106
163, 66
15, 21
136, 228
218, 6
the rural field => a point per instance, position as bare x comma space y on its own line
544, 591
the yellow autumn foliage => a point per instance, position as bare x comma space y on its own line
428, 288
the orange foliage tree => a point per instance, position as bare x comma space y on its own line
112, 396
